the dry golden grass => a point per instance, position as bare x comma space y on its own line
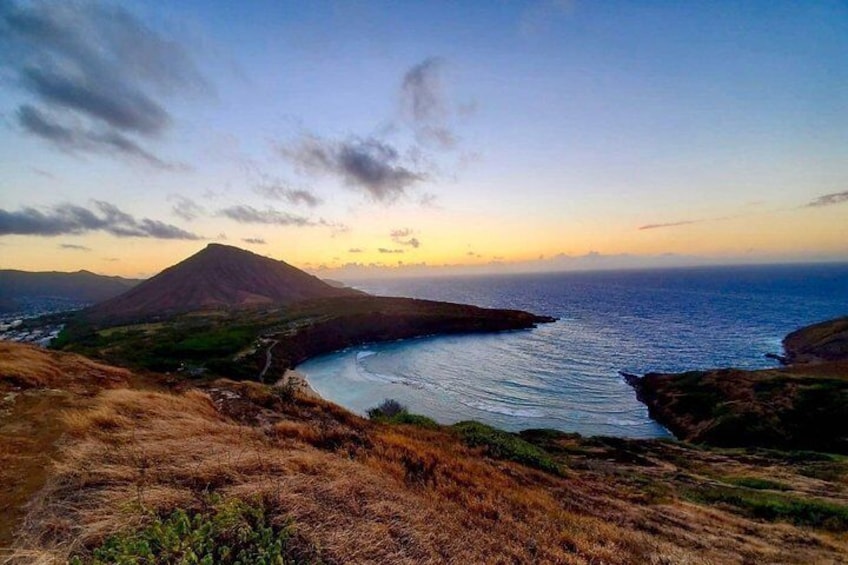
365, 493
35, 385
28, 366
360, 492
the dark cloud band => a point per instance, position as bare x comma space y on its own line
70, 219
368, 164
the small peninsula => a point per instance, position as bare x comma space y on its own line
802, 405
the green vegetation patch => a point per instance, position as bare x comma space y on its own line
232, 533
393, 412
499, 444
775, 507
757, 483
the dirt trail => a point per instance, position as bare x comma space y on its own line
268, 358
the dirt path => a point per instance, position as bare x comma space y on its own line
268, 358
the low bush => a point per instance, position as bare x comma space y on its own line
499, 444
231, 533
387, 409
391, 411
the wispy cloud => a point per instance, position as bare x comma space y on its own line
186, 208
355, 250
369, 164
669, 224
403, 236
249, 215
74, 247
66, 219
254, 240
828, 200
425, 104
279, 191
76, 138
98, 74
384, 250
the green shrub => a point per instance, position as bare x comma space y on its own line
232, 533
504, 445
386, 409
413, 420
391, 411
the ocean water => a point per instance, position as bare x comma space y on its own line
565, 375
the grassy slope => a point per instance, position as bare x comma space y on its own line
356, 491
35, 386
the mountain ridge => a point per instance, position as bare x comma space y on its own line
79, 285
218, 276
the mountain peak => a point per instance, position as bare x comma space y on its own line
218, 276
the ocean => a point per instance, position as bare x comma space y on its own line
565, 375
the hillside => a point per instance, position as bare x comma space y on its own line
139, 460
800, 406
229, 312
217, 277
827, 341
247, 343
82, 286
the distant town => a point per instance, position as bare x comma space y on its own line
23, 324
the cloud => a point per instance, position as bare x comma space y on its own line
403, 237
186, 208
828, 200
254, 240
250, 215
75, 138
668, 225
354, 250
70, 219
425, 105
384, 250
101, 72
278, 191
367, 164
421, 90
74, 247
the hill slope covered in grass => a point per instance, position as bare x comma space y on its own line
800, 406
138, 459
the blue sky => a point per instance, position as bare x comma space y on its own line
354, 136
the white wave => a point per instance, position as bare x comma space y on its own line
496, 408
364, 355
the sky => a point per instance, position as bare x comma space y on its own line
354, 138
